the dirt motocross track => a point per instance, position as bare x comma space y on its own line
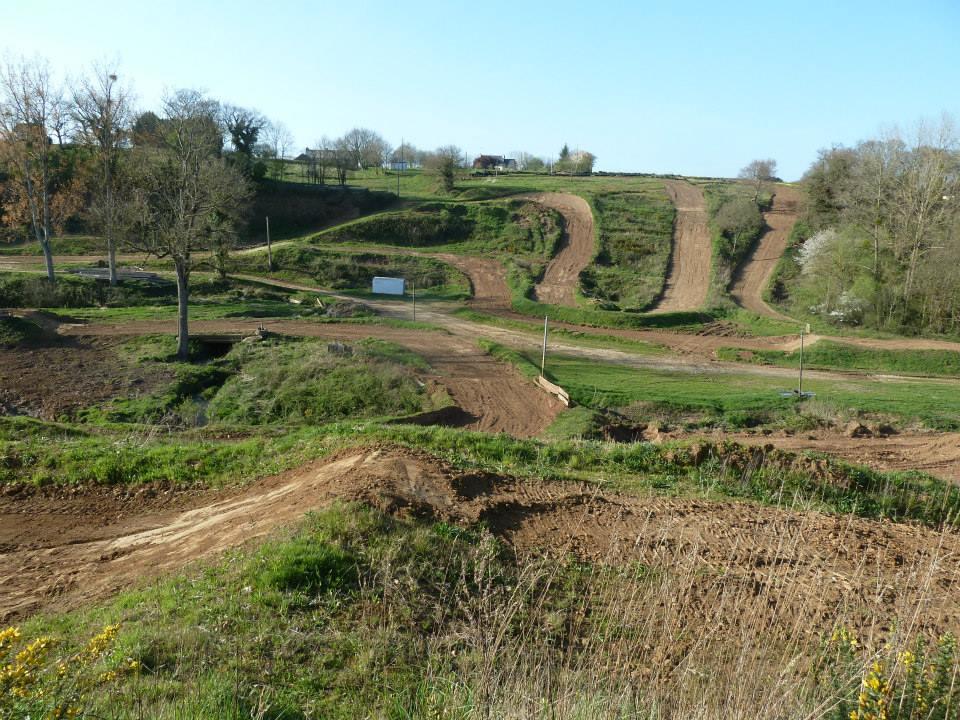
754, 276
688, 277
793, 572
562, 275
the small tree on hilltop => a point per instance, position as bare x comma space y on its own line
188, 198
759, 172
444, 162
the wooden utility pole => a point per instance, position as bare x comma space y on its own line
543, 355
269, 248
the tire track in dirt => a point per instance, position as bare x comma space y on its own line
754, 275
688, 273
562, 275
742, 564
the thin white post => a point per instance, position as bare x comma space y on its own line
413, 285
800, 389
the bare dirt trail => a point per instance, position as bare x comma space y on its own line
791, 571
688, 277
577, 247
754, 275
494, 395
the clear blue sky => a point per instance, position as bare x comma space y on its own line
693, 88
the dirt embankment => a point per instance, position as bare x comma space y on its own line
741, 564
754, 275
688, 275
493, 394
562, 274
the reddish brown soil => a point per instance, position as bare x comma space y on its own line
792, 572
688, 277
562, 275
58, 377
754, 276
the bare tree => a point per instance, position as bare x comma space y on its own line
28, 99
280, 140
444, 161
758, 172
366, 147
189, 199
103, 112
343, 158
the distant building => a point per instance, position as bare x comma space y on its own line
494, 162
400, 165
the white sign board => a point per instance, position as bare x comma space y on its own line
388, 286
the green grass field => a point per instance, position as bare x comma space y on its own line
835, 355
739, 399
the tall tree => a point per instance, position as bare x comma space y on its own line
102, 109
28, 99
188, 197
243, 127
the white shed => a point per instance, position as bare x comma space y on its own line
388, 286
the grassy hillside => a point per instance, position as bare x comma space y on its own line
634, 234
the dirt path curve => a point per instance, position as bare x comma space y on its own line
782, 570
754, 275
688, 277
495, 397
577, 248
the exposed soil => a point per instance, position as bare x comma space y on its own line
488, 279
562, 275
59, 376
494, 393
754, 275
688, 275
938, 454
786, 572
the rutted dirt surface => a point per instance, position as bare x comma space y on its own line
488, 279
785, 571
938, 455
754, 276
493, 393
562, 275
688, 277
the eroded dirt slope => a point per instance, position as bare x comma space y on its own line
737, 564
688, 276
754, 276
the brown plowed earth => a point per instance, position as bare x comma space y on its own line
754, 275
562, 275
493, 393
739, 565
688, 274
